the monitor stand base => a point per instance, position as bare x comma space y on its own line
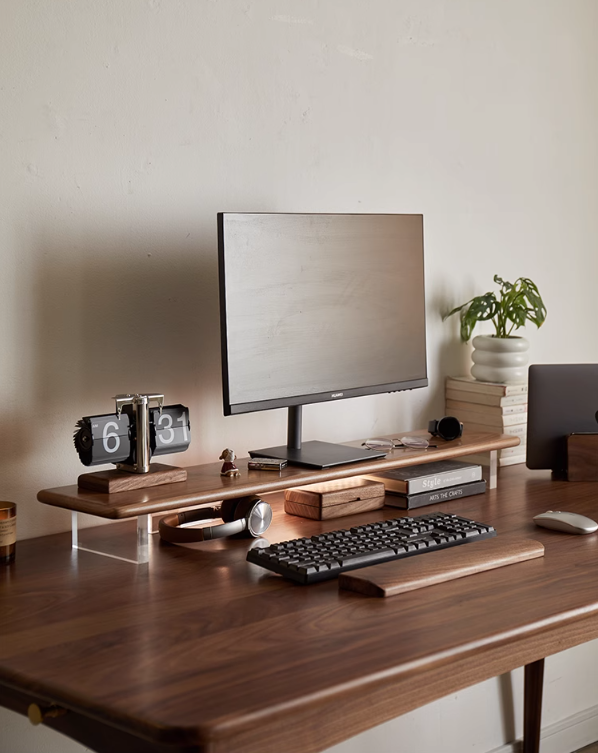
317, 454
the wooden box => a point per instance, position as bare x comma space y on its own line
582, 457
334, 499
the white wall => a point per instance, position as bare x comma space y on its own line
125, 127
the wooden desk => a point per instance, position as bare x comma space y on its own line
199, 651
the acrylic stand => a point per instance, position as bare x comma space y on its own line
139, 552
489, 461
136, 550
492, 466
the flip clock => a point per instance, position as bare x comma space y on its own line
130, 437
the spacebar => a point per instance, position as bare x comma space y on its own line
398, 576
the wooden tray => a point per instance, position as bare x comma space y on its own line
334, 499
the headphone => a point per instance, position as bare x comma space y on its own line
249, 516
447, 428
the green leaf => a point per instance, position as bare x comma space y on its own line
454, 311
503, 283
482, 308
517, 302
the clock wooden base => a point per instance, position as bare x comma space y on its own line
113, 481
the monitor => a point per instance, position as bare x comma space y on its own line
562, 400
319, 307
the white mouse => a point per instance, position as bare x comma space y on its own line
567, 522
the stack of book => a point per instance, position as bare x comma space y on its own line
431, 483
490, 407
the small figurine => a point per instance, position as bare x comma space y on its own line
228, 467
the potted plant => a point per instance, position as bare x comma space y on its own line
501, 357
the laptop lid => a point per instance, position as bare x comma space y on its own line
562, 400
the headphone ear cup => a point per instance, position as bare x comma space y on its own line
228, 510
244, 505
255, 515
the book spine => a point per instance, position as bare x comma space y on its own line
496, 421
484, 410
519, 430
480, 399
410, 501
485, 388
510, 451
442, 480
512, 460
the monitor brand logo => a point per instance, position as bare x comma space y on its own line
337, 394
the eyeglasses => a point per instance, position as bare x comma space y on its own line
386, 445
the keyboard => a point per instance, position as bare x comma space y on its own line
325, 556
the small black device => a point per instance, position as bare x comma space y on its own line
447, 428
562, 400
244, 516
327, 555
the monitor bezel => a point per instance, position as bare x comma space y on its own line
231, 409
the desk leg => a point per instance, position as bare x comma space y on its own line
532, 706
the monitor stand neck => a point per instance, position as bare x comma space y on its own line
294, 427
313, 454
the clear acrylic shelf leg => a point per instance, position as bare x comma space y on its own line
493, 473
136, 552
489, 460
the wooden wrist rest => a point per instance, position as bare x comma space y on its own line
430, 568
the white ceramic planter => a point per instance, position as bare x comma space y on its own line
500, 359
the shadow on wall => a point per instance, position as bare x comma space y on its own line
113, 314
449, 357
100, 312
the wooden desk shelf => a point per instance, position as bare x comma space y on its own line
204, 484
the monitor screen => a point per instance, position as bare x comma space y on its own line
318, 307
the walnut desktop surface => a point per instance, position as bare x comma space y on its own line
199, 651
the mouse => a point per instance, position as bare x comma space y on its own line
567, 522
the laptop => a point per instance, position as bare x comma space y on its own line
562, 400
